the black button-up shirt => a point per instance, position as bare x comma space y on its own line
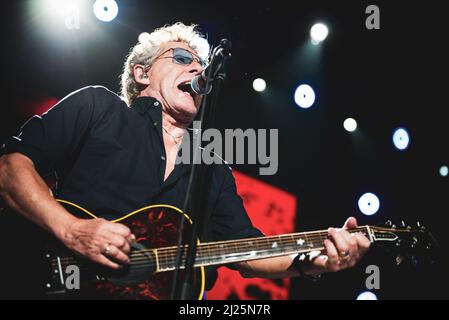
110, 159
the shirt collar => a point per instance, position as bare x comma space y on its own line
146, 104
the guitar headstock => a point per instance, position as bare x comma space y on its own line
405, 240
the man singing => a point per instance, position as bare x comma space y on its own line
115, 154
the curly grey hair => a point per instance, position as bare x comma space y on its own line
148, 47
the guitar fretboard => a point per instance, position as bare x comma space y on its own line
224, 252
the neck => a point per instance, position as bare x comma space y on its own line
175, 127
171, 119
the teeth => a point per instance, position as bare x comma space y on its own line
185, 87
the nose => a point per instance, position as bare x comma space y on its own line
195, 68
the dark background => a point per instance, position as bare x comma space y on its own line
395, 76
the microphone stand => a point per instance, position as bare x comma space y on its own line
195, 201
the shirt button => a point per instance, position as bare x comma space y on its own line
162, 158
154, 123
156, 104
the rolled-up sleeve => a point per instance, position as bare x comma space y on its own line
52, 138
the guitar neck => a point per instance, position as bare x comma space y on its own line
225, 252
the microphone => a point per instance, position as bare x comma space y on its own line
199, 82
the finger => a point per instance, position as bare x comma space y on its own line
350, 223
350, 240
362, 241
353, 247
106, 262
338, 240
321, 261
131, 239
120, 229
116, 254
126, 248
120, 242
331, 252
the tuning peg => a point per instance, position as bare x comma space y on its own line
388, 223
403, 224
418, 224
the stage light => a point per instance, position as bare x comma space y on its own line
61, 7
369, 204
350, 125
259, 85
444, 170
304, 96
401, 139
367, 295
63, 11
105, 10
318, 33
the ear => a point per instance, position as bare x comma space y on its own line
141, 74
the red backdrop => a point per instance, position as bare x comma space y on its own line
273, 211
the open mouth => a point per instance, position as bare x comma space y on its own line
186, 88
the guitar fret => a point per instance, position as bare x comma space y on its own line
248, 249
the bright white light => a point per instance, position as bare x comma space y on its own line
259, 85
350, 125
61, 7
444, 170
65, 11
401, 139
367, 295
105, 10
318, 33
304, 96
369, 204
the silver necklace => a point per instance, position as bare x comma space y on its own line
175, 139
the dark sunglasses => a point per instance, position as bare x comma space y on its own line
183, 56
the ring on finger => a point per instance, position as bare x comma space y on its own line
107, 249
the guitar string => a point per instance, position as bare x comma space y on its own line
165, 260
212, 247
164, 254
146, 264
170, 258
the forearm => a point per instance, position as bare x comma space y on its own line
272, 268
276, 268
25, 191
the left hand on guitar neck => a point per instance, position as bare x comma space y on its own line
342, 250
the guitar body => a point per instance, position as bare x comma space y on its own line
154, 227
